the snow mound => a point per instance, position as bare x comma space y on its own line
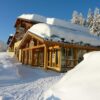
51, 32
81, 83
23, 82
8, 70
7, 97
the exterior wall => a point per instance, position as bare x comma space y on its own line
66, 58
54, 57
32, 57
16, 44
16, 51
20, 54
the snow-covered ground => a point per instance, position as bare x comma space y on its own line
81, 83
22, 82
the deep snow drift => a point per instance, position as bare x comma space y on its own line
22, 82
81, 83
56, 33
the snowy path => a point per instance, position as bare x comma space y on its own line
21, 82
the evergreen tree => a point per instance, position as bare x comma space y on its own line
96, 13
90, 18
81, 19
75, 17
96, 23
92, 21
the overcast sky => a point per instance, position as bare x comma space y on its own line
11, 9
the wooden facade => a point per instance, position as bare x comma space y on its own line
57, 56
21, 25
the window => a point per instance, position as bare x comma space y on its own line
70, 53
63, 52
56, 56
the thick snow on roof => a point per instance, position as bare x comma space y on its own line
33, 17
63, 23
11, 35
53, 21
56, 33
81, 83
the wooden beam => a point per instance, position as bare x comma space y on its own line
45, 57
75, 56
36, 37
70, 45
35, 47
59, 59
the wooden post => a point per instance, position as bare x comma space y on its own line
75, 57
32, 57
45, 57
21, 55
50, 58
59, 59
27, 56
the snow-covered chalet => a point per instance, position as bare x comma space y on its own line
51, 43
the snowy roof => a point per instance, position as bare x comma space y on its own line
53, 21
11, 35
33, 17
63, 23
57, 32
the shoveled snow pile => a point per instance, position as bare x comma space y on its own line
81, 83
22, 82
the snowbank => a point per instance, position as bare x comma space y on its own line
23, 82
81, 83
8, 69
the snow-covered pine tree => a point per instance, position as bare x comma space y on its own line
81, 19
96, 23
75, 18
96, 13
90, 18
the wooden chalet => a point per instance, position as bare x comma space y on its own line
53, 46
